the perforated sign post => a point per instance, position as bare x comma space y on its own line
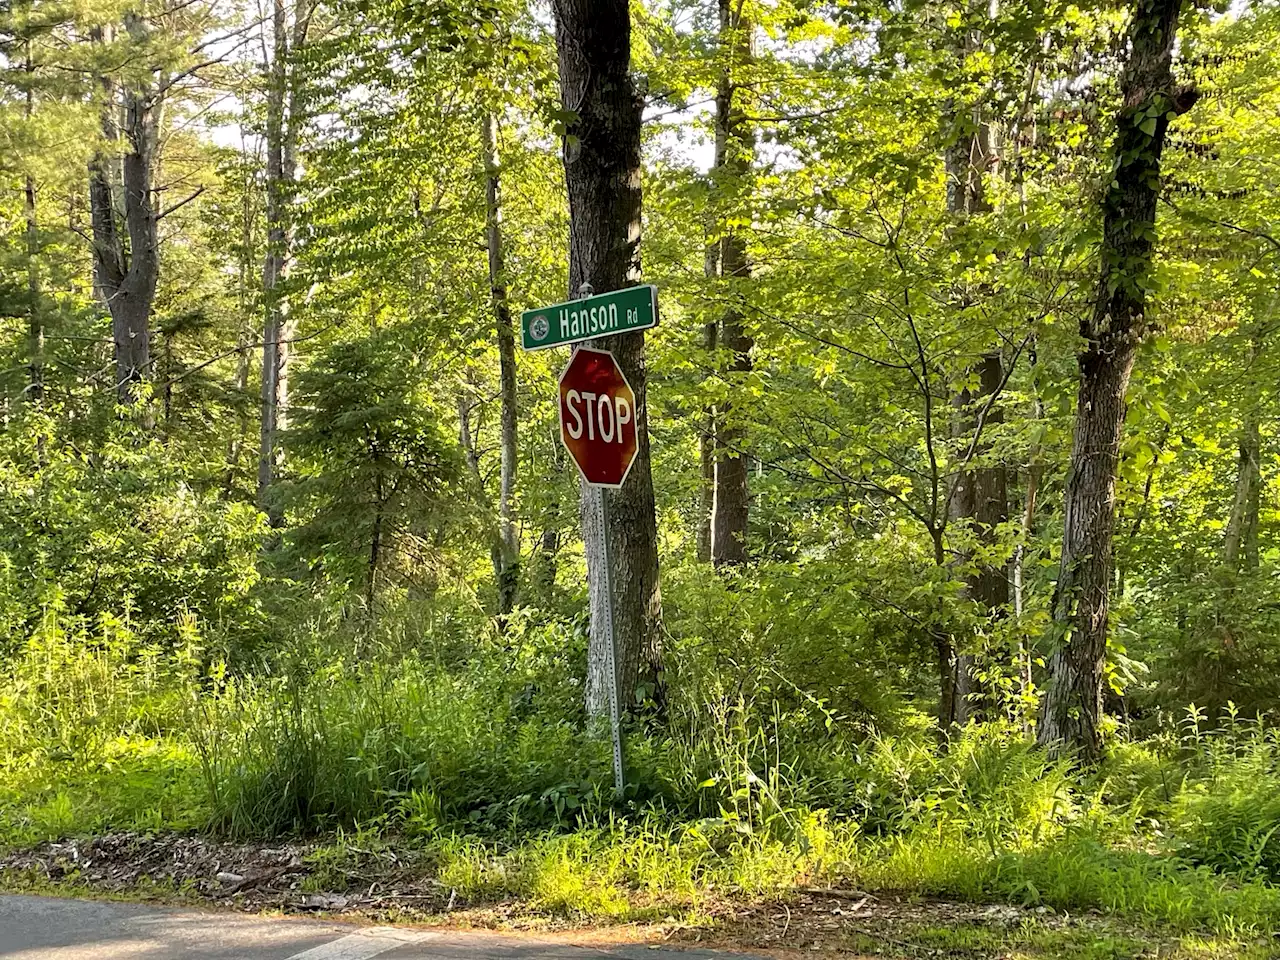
598, 428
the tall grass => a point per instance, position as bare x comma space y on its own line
491, 769
94, 725
402, 742
1228, 816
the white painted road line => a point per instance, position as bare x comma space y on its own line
365, 944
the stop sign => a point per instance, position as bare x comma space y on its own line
598, 417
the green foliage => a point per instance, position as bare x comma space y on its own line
491, 770
399, 741
375, 461
120, 530
1228, 817
94, 722
169, 662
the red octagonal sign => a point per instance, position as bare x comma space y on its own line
598, 417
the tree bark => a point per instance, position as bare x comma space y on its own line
945, 651
275, 333
978, 496
375, 545
982, 501
1072, 707
35, 313
507, 569
1026, 531
542, 581
1019, 564
710, 344
735, 149
244, 282
707, 436
1241, 536
602, 171
1242, 527
126, 283
135, 298
493, 532
236, 443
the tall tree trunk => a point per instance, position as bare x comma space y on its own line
945, 651
543, 579
275, 333
35, 313
236, 444
978, 497
602, 171
166, 415
507, 570
245, 270
1072, 705
134, 300
1026, 531
1242, 527
108, 252
375, 546
493, 532
982, 501
127, 283
707, 434
735, 148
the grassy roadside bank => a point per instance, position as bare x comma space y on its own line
898, 900
397, 788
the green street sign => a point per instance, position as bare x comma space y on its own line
620, 311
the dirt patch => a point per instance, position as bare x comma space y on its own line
241, 876
853, 921
398, 886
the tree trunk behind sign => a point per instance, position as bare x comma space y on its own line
602, 172
1072, 706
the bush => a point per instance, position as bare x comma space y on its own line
402, 742
1229, 818
123, 531
93, 730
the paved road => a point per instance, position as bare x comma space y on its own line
44, 928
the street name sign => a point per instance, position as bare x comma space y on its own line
606, 314
598, 417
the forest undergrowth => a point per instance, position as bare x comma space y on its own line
485, 772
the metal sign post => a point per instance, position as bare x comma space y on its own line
611, 647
